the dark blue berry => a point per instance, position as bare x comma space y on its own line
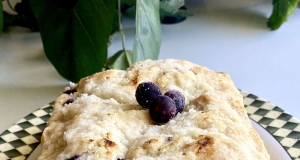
146, 92
74, 158
71, 100
70, 91
178, 98
162, 109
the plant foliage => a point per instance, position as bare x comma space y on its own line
75, 38
121, 60
75, 33
148, 31
281, 10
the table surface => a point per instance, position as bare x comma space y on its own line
220, 36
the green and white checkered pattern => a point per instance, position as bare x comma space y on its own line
284, 127
22, 138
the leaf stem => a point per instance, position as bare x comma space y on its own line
120, 25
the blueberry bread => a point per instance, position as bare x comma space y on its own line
100, 118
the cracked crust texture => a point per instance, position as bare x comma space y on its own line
106, 122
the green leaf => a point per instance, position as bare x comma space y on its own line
281, 10
130, 12
121, 60
115, 23
148, 30
128, 2
1, 18
170, 7
75, 39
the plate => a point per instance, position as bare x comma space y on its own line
279, 130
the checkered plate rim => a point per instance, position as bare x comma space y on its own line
19, 140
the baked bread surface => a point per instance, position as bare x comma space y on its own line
106, 122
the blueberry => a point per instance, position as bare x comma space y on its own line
74, 158
70, 91
178, 98
146, 92
162, 109
71, 100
